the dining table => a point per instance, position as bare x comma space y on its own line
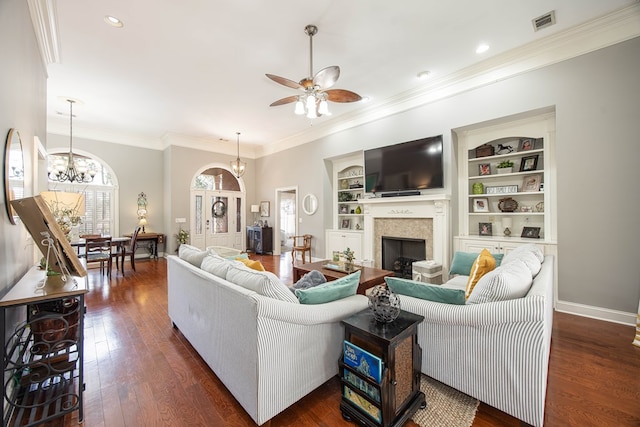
119, 242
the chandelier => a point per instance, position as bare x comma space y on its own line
237, 166
71, 170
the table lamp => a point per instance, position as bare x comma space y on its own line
142, 223
255, 209
507, 223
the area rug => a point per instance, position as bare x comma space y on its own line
446, 407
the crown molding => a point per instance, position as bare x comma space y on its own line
610, 29
207, 144
45, 24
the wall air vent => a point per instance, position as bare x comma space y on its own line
544, 21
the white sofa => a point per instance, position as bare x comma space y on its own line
269, 353
497, 352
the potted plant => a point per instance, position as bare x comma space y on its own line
348, 255
505, 166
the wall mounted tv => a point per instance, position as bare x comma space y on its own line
406, 167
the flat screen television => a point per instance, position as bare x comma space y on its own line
407, 166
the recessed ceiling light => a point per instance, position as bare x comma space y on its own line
423, 75
113, 21
482, 48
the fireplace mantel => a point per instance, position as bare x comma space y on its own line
435, 207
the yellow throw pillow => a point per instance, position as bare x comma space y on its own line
256, 265
481, 266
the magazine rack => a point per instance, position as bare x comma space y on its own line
380, 370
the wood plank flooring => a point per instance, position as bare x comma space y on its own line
140, 371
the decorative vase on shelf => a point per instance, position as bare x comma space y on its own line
505, 170
478, 188
384, 304
358, 210
344, 184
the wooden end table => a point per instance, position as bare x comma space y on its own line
369, 276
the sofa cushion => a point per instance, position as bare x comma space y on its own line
330, 291
529, 247
529, 258
509, 281
462, 262
253, 264
484, 263
262, 282
216, 265
191, 254
425, 291
309, 280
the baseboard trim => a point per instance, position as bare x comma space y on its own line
597, 313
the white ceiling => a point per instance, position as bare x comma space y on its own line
197, 67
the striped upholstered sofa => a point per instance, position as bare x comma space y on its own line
497, 352
267, 349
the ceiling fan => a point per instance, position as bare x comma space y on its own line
316, 90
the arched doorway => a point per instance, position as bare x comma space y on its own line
217, 209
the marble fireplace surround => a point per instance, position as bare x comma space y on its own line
420, 217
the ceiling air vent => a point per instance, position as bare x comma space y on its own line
544, 21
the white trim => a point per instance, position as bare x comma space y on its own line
45, 24
276, 217
599, 313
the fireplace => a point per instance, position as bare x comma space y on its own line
399, 253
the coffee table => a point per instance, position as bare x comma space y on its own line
369, 276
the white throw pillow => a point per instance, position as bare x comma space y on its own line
509, 281
530, 260
216, 265
191, 254
263, 282
529, 247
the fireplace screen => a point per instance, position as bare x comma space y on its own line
398, 254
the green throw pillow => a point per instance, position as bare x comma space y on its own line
462, 262
330, 291
425, 291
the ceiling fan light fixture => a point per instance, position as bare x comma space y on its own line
311, 102
299, 110
323, 108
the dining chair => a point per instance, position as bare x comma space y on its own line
301, 244
98, 249
129, 251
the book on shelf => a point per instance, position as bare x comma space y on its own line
370, 390
362, 361
369, 408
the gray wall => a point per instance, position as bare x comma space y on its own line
596, 97
23, 107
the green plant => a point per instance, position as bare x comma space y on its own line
348, 255
182, 236
505, 164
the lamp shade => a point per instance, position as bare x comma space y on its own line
142, 222
255, 208
507, 222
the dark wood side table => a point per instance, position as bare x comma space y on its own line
260, 239
397, 396
153, 239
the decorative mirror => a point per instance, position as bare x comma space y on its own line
13, 172
218, 209
310, 204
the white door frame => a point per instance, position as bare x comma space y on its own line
276, 220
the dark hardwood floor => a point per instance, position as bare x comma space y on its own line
140, 371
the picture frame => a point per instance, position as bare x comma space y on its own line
531, 232
346, 224
529, 163
531, 182
264, 209
501, 189
484, 169
485, 229
344, 209
481, 204
526, 144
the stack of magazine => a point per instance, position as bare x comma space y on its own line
368, 365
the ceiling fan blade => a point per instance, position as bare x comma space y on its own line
286, 100
285, 82
327, 77
342, 95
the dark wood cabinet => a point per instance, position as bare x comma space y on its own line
396, 397
260, 240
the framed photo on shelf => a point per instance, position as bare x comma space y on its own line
346, 224
531, 232
526, 144
485, 169
485, 229
344, 209
264, 209
531, 182
481, 204
529, 163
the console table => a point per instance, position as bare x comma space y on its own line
393, 399
43, 373
153, 240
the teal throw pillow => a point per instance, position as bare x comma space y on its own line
330, 291
425, 291
462, 262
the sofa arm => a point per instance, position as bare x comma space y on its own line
527, 309
310, 314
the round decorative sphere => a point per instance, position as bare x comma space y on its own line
384, 304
